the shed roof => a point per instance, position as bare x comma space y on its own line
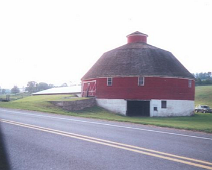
137, 59
60, 90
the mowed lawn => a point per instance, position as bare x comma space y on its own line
197, 122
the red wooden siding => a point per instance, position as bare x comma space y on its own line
133, 39
154, 88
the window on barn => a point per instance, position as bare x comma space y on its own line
163, 104
109, 81
140, 81
189, 83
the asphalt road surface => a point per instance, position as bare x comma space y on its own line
42, 141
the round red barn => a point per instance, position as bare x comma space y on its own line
138, 79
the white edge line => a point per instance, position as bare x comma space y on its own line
107, 124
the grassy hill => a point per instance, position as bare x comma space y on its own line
39, 103
203, 95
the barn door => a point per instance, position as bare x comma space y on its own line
89, 88
138, 108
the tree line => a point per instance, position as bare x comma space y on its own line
32, 87
202, 79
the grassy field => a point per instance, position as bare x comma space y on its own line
197, 122
203, 95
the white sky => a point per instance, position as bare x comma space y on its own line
57, 41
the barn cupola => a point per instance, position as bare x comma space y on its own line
137, 37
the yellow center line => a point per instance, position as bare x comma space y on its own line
158, 154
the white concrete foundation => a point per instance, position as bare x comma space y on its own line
114, 105
174, 107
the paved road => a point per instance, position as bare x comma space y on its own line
44, 141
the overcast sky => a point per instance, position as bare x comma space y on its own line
58, 41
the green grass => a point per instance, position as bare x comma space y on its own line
39, 103
203, 95
198, 122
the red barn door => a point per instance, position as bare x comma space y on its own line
89, 88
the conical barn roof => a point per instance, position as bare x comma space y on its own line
137, 59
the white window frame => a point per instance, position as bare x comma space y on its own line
139, 82
189, 83
109, 81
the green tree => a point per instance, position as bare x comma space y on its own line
203, 78
31, 87
42, 86
15, 90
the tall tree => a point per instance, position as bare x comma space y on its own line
31, 86
15, 90
42, 86
203, 78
